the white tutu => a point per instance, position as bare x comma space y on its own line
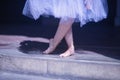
67, 9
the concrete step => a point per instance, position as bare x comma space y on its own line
84, 64
16, 76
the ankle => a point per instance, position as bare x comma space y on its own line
72, 48
52, 43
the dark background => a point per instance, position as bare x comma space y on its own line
12, 22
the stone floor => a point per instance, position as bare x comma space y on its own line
33, 47
30, 47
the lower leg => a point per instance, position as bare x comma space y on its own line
69, 39
63, 28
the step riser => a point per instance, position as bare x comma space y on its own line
60, 67
23, 65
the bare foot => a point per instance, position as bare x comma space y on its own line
67, 53
51, 47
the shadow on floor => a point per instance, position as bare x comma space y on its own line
113, 52
29, 46
37, 47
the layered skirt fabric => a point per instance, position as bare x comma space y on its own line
66, 9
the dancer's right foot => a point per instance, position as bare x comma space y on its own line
68, 52
51, 47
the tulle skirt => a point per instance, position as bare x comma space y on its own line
66, 9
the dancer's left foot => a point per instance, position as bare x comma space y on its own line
68, 53
51, 47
